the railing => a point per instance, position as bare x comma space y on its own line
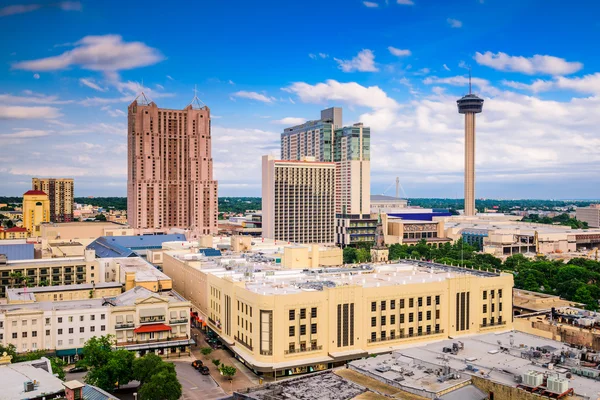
404, 336
303, 350
150, 320
498, 323
240, 341
178, 321
266, 352
124, 325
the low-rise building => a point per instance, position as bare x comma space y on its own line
29, 380
406, 231
81, 291
590, 214
15, 232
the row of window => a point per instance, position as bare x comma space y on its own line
313, 330
383, 318
493, 307
313, 313
411, 303
492, 294
411, 332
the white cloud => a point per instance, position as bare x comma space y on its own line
422, 71
483, 84
169, 77
89, 82
350, 93
291, 121
446, 67
370, 4
116, 113
313, 56
364, 62
253, 96
538, 64
323, 55
317, 55
454, 23
586, 84
538, 85
405, 2
25, 134
399, 52
231, 82
20, 112
70, 5
26, 8
36, 76
31, 98
108, 53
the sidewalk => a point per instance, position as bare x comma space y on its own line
242, 379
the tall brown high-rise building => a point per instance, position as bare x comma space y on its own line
470, 105
170, 169
61, 195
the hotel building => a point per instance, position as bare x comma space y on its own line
170, 169
298, 200
287, 321
61, 194
36, 210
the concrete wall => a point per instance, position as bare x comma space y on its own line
503, 392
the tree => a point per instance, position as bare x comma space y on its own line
583, 295
349, 255
58, 366
206, 351
97, 351
161, 386
148, 365
228, 371
100, 217
115, 372
363, 255
9, 224
10, 350
216, 362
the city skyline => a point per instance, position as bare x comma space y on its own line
67, 90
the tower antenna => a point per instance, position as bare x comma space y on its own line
142, 96
196, 102
469, 80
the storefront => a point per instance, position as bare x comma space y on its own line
70, 356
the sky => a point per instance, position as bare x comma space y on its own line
69, 69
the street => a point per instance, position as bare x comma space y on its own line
194, 385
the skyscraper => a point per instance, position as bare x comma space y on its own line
170, 169
61, 193
470, 105
298, 200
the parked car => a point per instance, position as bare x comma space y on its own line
197, 364
204, 371
77, 369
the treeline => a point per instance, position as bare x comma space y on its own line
502, 206
576, 280
562, 219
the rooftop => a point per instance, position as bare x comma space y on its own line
125, 246
535, 301
144, 271
14, 376
34, 193
25, 294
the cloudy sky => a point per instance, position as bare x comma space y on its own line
69, 69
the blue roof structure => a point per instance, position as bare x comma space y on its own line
210, 252
15, 252
95, 393
126, 246
423, 216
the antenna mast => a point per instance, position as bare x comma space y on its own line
196, 102
469, 80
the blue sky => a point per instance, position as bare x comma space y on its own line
69, 69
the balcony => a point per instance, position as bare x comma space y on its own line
240, 341
266, 352
152, 320
404, 336
178, 321
490, 325
303, 350
127, 325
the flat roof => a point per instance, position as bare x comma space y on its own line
13, 377
27, 293
144, 271
536, 301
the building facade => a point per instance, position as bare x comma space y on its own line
36, 210
170, 169
283, 322
61, 195
590, 214
298, 200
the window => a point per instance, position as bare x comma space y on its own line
81, 318
373, 321
392, 319
313, 312
292, 347
484, 321
70, 330
302, 329
499, 306
70, 341
437, 314
102, 316
373, 306
92, 329
24, 322
411, 317
428, 300
14, 323
401, 318
411, 303
48, 321
383, 320
499, 293
437, 328
428, 329
292, 315
292, 331
14, 335
383, 334
70, 319
47, 332
81, 329
485, 294
33, 333
493, 307
373, 336
392, 304
500, 320
492, 321
485, 308
411, 332
1, 336
302, 313
383, 305
313, 328
492, 294
428, 315
420, 316
102, 327
24, 334
420, 300
420, 330
392, 334
34, 322
401, 303
60, 342
437, 300
60, 331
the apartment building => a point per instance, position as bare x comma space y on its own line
170, 169
298, 200
61, 194
140, 320
590, 214
285, 321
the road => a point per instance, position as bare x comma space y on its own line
194, 385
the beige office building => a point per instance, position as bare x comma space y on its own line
298, 200
61, 194
590, 214
288, 321
170, 169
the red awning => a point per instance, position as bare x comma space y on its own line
152, 328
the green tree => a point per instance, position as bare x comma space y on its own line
10, 350
216, 362
100, 217
161, 386
117, 371
206, 351
363, 255
148, 365
349, 255
9, 224
97, 351
228, 371
583, 295
58, 366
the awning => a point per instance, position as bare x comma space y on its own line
152, 312
152, 328
69, 352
